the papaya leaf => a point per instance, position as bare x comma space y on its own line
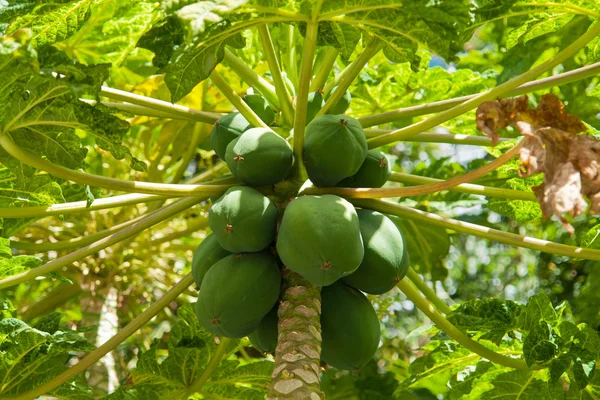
31, 356
523, 385
52, 21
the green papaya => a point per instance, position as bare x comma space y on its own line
315, 103
208, 252
264, 338
259, 157
342, 105
319, 238
243, 220
261, 107
381, 267
237, 292
335, 147
349, 327
373, 173
227, 128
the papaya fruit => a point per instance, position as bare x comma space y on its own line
237, 292
227, 128
349, 327
373, 173
381, 268
319, 238
315, 103
342, 105
208, 252
243, 220
261, 107
259, 157
264, 338
335, 147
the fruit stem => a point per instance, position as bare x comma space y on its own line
466, 187
442, 105
427, 291
159, 105
168, 189
484, 232
235, 99
321, 75
212, 366
287, 109
297, 357
310, 44
149, 220
349, 74
498, 91
438, 186
252, 78
111, 344
442, 323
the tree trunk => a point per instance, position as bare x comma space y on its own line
297, 357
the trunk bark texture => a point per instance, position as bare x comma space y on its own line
297, 358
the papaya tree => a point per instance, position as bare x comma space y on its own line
247, 199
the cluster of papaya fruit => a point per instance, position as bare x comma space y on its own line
323, 238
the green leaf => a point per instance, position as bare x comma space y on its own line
523, 385
538, 308
18, 264
30, 357
584, 365
7, 310
52, 21
539, 346
558, 367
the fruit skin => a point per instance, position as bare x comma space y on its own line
319, 238
373, 173
259, 157
208, 252
237, 292
264, 338
342, 105
227, 128
349, 326
381, 268
334, 148
243, 220
261, 107
314, 105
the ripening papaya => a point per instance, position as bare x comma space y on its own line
342, 105
381, 268
373, 173
243, 220
349, 327
314, 105
335, 147
264, 338
319, 238
261, 107
259, 157
227, 128
208, 252
237, 292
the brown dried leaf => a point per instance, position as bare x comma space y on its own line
570, 161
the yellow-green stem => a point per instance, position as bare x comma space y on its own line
427, 291
375, 193
236, 100
321, 75
287, 109
478, 230
164, 189
465, 187
310, 44
212, 366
